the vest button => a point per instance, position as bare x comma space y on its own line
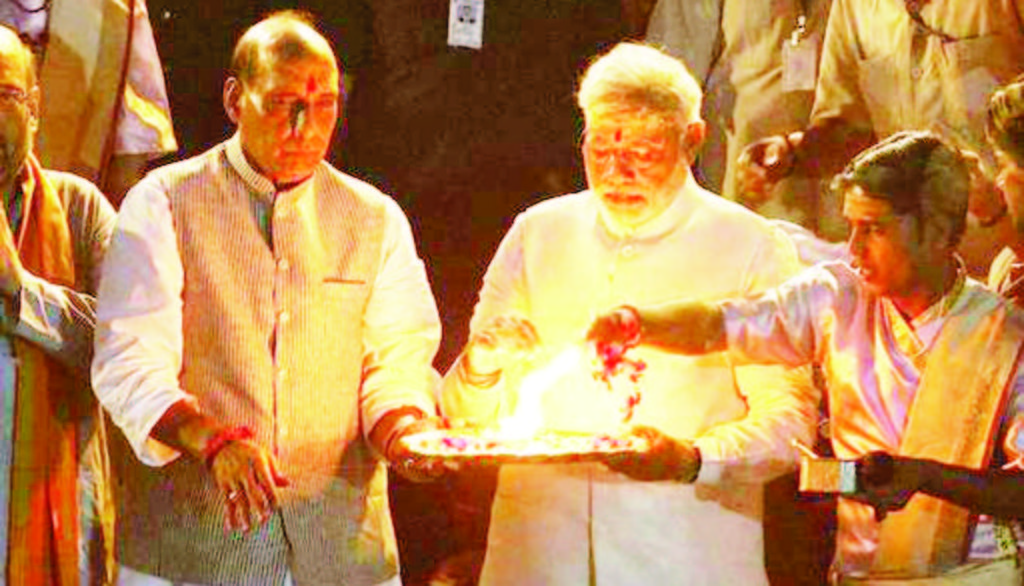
283, 264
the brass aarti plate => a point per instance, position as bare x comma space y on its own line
488, 446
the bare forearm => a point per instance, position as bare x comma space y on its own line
389, 428
685, 327
991, 492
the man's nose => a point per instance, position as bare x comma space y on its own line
298, 117
855, 244
620, 165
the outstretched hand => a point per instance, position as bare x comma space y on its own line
411, 465
614, 332
760, 166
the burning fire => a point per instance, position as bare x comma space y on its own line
527, 419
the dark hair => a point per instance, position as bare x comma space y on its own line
252, 50
918, 173
1005, 122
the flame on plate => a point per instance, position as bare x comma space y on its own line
527, 419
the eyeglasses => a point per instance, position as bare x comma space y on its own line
11, 96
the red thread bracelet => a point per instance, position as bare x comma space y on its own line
220, 439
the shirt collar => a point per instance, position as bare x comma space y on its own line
264, 188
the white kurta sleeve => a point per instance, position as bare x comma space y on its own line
139, 318
402, 329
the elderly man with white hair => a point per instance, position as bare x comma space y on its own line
643, 232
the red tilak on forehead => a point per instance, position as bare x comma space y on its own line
311, 84
618, 135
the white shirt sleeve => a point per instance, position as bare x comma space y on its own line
57, 319
782, 400
139, 314
401, 329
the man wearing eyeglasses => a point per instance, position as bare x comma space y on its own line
644, 230
54, 228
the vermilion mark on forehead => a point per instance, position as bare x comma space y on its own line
311, 84
618, 135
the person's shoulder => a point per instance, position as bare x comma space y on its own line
745, 230
349, 191
977, 294
559, 208
77, 192
978, 300
72, 185
186, 170
729, 213
333, 179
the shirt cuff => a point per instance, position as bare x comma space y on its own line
150, 451
711, 465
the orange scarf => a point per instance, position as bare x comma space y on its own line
954, 419
43, 531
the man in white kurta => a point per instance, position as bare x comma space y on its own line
565, 260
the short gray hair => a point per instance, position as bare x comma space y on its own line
638, 75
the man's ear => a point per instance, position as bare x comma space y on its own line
693, 138
232, 98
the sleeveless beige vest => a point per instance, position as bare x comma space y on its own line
272, 340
